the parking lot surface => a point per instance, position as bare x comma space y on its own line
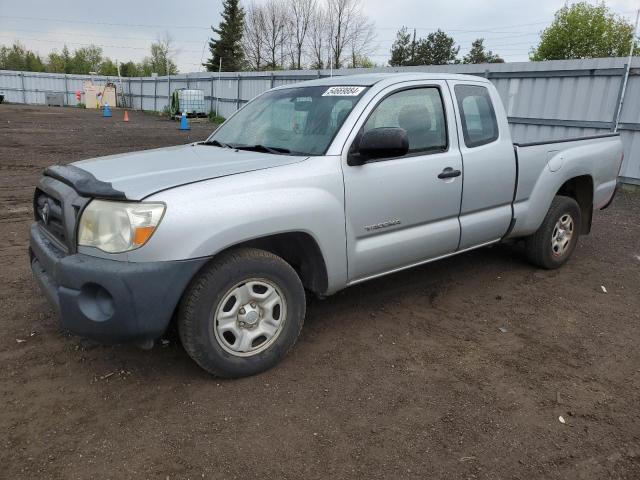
457, 369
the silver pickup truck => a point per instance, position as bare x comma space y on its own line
309, 187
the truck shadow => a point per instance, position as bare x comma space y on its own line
431, 281
337, 316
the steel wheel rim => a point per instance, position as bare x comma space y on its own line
250, 317
562, 235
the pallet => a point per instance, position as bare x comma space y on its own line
190, 115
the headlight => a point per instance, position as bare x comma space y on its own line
118, 226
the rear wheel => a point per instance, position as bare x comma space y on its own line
556, 239
242, 314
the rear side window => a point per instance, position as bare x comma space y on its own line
479, 124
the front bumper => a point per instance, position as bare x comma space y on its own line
107, 300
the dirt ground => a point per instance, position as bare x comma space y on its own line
408, 376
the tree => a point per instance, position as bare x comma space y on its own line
228, 45
129, 69
160, 59
86, 60
60, 62
362, 37
361, 61
17, 57
437, 49
316, 33
108, 67
582, 30
342, 15
301, 13
403, 49
478, 54
275, 32
319, 38
253, 40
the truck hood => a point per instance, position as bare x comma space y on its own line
140, 174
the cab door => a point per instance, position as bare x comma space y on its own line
489, 163
403, 211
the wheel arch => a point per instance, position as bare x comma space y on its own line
300, 250
580, 188
530, 212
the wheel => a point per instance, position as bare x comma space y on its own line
554, 242
242, 313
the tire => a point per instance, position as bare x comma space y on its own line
549, 247
242, 313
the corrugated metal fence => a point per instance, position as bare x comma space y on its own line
544, 100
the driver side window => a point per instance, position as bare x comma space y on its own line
419, 112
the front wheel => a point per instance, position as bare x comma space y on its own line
242, 313
556, 239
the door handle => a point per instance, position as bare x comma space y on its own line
449, 173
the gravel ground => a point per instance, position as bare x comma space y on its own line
407, 376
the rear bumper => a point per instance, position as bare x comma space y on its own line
107, 300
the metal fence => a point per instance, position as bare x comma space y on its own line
544, 100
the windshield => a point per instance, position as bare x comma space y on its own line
296, 121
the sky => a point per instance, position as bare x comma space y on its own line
125, 28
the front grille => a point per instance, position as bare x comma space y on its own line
49, 213
56, 208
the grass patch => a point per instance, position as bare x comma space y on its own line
213, 118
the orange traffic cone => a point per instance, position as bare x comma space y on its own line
126, 116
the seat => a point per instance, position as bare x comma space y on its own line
341, 117
416, 121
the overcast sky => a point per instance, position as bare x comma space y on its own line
125, 29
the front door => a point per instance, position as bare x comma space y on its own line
404, 210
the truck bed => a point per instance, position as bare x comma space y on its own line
541, 164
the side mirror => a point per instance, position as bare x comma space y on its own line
385, 142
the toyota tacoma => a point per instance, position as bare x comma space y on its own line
309, 188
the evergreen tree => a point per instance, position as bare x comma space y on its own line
403, 49
437, 49
228, 45
478, 54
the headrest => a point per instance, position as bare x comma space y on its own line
342, 115
414, 117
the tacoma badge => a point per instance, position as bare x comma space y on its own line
378, 226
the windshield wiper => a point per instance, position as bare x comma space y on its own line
216, 143
263, 148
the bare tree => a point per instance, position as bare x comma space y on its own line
343, 16
254, 39
275, 31
318, 37
360, 44
301, 14
315, 32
